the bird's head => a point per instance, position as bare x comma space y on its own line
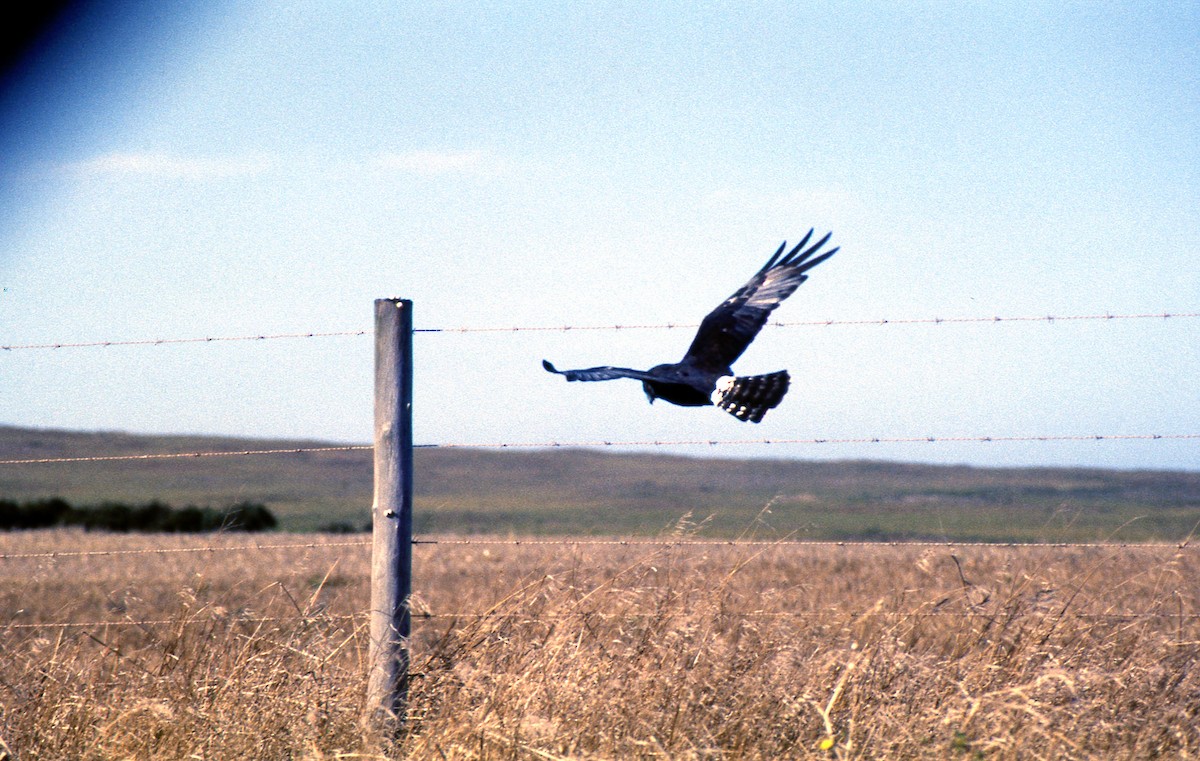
650, 395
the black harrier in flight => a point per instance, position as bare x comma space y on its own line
704, 376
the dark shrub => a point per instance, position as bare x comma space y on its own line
248, 516
188, 520
341, 527
152, 516
39, 514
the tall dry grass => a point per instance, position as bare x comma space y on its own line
605, 651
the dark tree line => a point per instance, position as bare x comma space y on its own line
151, 516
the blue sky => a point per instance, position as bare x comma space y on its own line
177, 170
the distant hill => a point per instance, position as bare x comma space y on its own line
574, 491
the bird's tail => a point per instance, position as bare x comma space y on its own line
749, 398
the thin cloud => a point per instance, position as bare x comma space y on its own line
828, 202
165, 165
440, 162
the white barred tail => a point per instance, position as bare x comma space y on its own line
750, 397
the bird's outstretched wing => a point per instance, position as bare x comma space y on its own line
728, 330
599, 373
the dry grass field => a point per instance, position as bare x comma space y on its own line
544, 651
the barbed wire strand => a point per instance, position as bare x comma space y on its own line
820, 323
565, 541
185, 622
795, 543
162, 341
533, 618
419, 616
830, 440
183, 455
566, 328
177, 550
619, 443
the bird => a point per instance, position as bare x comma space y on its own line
704, 377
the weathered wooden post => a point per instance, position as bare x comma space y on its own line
391, 517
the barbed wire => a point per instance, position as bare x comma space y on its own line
849, 440
821, 323
176, 550
553, 444
162, 341
567, 541
181, 622
566, 328
184, 455
420, 616
416, 616
795, 543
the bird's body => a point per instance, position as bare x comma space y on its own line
681, 384
705, 375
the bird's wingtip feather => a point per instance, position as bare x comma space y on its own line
774, 258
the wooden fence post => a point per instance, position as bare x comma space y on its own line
391, 517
